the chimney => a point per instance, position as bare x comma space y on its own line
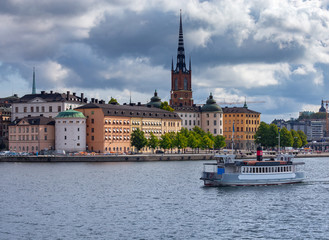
68, 95
42, 92
92, 100
86, 100
82, 97
51, 92
96, 100
15, 95
139, 104
74, 94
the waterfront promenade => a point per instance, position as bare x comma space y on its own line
139, 157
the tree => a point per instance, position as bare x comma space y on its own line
180, 141
138, 139
113, 101
153, 142
172, 136
272, 135
303, 137
207, 143
286, 139
165, 141
262, 134
297, 142
185, 132
219, 142
165, 106
192, 141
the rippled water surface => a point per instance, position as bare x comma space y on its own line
155, 200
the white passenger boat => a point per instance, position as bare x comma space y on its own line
229, 171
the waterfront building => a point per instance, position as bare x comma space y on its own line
181, 77
32, 134
190, 115
45, 104
70, 131
109, 126
244, 123
212, 117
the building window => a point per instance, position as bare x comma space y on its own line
92, 112
42, 109
215, 131
207, 122
16, 109
50, 109
215, 122
92, 138
65, 129
64, 137
32, 109
176, 84
59, 109
92, 129
78, 129
185, 84
45, 129
45, 137
37, 109
92, 120
25, 109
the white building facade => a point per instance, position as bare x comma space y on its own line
70, 131
45, 104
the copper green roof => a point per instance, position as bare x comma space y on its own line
70, 114
155, 100
211, 105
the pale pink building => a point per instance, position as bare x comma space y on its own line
32, 134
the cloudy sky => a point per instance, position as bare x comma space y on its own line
274, 53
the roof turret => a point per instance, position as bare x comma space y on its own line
155, 100
211, 105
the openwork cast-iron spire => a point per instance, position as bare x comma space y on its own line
180, 51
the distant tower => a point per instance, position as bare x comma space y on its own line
33, 84
181, 77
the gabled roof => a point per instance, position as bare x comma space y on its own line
131, 111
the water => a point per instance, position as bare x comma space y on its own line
155, 200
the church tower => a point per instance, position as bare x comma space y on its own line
181, 77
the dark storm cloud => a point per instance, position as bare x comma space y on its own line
152, 34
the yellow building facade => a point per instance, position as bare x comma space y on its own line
246, 123
109, 127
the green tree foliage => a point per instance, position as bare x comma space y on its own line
262, 134
180, 141
303, 137
297, 141
192, 141
165, 106
185, 132
199, 131
165, 142
219, 142
206, 142
153, 142
318, 115
113, 101
138, 139
272, 137
286, 139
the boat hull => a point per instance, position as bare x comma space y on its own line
236, 179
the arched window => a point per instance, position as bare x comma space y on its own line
185, 84
176, 84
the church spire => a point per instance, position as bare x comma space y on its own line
33, 84
180, 51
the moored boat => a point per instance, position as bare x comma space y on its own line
228, 171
